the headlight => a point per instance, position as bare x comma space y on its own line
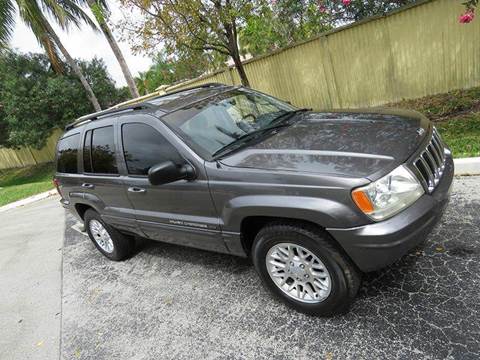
388, 195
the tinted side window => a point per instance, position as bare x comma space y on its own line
87, 152
67, 154
103, 151
143, 147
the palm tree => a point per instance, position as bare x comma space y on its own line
33, 13
100, 10
142, 82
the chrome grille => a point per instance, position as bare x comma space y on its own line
431, 162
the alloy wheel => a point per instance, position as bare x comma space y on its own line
101, 236
298, 272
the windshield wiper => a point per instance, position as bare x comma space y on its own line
276, 123
245, 139
286, 116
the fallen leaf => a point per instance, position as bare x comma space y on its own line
168, 301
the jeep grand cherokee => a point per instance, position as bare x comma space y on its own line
314, 198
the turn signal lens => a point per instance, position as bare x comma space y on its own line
362, 201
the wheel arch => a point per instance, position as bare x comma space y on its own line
85, 201
81, 209
323, 212
245, 215
251, 225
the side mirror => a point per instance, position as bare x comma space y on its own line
167, 172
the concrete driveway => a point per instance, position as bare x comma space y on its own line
31, 239
170, 302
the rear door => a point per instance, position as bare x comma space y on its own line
101, 183
181, 212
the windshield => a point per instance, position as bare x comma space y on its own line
216, 122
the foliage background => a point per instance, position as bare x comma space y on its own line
263, 26
34, 99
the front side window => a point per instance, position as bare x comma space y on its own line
67, 151
143, 147
216, 122
103, 151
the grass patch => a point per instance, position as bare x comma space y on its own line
16, 184
456, 115
462, 134
443, 106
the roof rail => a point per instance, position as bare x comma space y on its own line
95, 116
210, 84
140, 99
159, 92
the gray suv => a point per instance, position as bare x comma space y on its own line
313, 198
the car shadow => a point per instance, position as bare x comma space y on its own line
373, 283
185, 255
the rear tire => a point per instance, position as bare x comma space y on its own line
309, 273
109, 241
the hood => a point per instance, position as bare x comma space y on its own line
355, 143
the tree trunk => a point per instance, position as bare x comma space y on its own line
241, 70
115, 48
90, 94
235, 54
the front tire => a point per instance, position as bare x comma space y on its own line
301, 266
109, 241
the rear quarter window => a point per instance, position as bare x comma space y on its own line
67, 151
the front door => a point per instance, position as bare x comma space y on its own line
181, 212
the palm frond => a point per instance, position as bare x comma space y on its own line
103, 4
74, 13
33, 17
7, 21
55, 9
53, 53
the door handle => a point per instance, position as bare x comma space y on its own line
88, 186
136, 190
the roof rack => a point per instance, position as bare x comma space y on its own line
95, 116
132, 105
209, 84
161, 91
201, 86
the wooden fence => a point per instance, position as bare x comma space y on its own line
25, 156
413, 52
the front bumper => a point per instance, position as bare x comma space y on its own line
377, 245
